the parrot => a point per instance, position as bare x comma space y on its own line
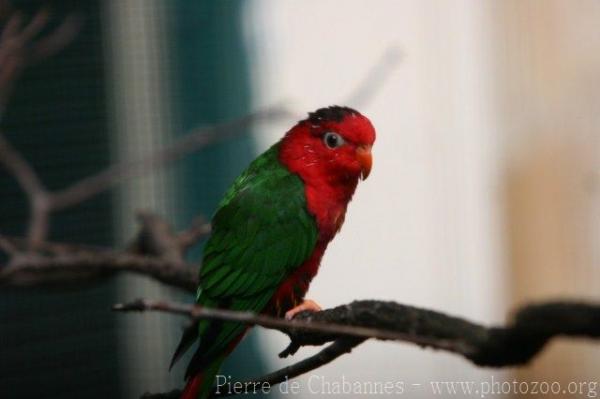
270, 232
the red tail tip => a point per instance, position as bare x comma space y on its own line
192, 387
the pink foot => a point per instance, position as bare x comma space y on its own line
308, 305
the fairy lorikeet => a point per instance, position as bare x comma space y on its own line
271, 229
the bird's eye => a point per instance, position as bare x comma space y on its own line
333, 140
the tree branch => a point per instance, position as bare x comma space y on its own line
29, 181
299, 329
43, 203
7, 246
194, 141
375, 78
515, 344
339, 347
165, 249
18, 47
199, 230
162, 239
158, 238
34, 269
157, 252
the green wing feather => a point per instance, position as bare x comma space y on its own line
262, 232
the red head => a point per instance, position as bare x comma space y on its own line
330, 151
332, 146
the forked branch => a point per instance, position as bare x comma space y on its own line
349, 325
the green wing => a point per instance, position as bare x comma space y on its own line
262, 232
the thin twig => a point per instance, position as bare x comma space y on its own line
20, 169
59, 39
29, 181
192, 142
156, 238
43, 203
197, 231
339, 347
18, 47
375, 78
7, 246
331, 352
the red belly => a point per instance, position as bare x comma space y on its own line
291, 292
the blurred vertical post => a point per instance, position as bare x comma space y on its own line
175, 66
137, 39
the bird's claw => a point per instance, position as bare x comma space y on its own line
308, 305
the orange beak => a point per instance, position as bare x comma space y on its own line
363, 155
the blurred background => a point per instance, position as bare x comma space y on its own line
485, 191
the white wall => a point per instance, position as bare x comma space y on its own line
424, 228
